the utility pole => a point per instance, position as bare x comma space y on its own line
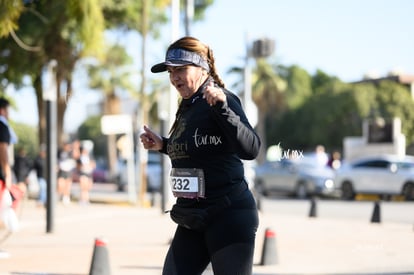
166, 113
49, 96
257, 49
189, 15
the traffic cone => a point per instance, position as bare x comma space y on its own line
376, 214
312, 211
100, 259
269, 254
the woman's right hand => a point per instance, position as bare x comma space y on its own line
150, 140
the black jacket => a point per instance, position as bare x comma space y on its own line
213, 138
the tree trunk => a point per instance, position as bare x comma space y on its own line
37, 84
112, 106
144, 109
61, 109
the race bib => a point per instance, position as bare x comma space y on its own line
187, 182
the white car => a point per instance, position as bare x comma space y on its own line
299, 178
383, 175
154, 175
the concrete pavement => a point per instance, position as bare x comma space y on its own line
137, 241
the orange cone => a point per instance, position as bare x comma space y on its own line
269, 255
100, 259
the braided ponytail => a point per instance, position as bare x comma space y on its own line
213, 71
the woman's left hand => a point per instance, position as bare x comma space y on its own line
213, 94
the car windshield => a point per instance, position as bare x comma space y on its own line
372, 164
384, 164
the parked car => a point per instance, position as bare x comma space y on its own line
153, 173
381, 175
300, 178
101, 173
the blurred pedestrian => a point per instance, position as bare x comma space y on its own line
321, 157
66, 167
22, 166
38, 166
335, 160
7, 138
215, 211
85, 166
76, 149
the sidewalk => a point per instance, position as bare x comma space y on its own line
137, 241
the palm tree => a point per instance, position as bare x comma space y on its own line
111, 76
267, 94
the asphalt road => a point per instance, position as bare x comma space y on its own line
390, 211
339, 240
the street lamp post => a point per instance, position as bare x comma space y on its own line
49, 96
168, 103
163, 106
249, 106
260, 48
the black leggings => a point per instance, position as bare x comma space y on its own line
228, 243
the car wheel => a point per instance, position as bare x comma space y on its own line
301, 191
121, 188
347, 191
408, 191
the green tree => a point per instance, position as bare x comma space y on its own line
27, 136
326, 118
90, 129
64, 31
112, 76
320, 80
299, 86
10, 11
335, 111
281, 127
394, 100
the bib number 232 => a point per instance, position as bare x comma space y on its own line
184, 184
187, 182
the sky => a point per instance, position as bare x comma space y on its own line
344, 38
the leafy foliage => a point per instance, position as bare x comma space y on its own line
321, 109
324, 110
27, 138
10, 11
298, 86
91, 130
394, 100
112, 72
87, 24
125, 15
